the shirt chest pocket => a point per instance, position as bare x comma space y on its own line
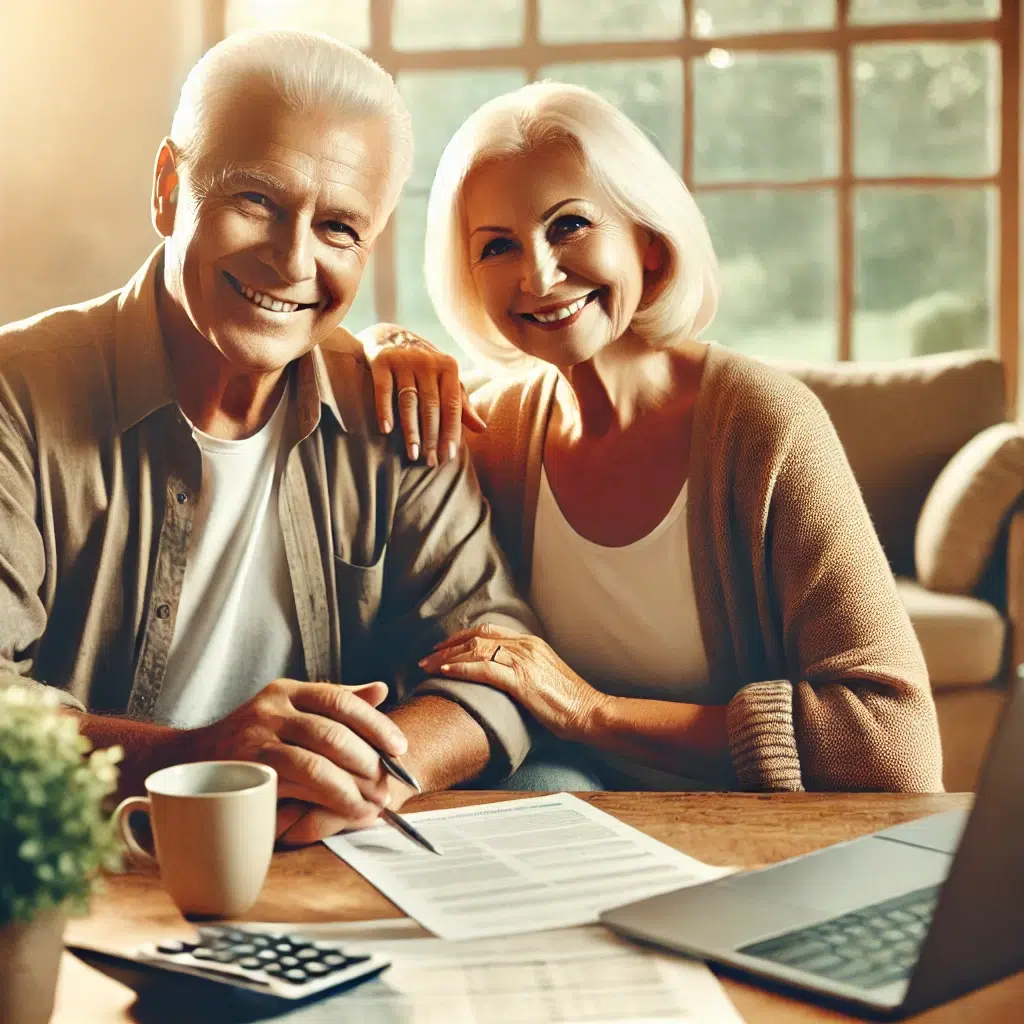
360, 590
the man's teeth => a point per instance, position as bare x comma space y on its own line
561, 314
266, 302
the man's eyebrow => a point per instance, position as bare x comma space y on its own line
497, 229
348, 215
245, 177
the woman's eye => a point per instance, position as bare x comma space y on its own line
495, 247
568, 225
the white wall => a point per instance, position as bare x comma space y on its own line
87, 90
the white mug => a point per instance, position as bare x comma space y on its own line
213, 826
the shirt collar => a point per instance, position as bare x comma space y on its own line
142, 373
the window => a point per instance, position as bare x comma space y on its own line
856, 160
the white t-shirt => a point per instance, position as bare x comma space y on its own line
624, 618
236, 628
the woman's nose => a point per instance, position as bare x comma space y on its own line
542, 272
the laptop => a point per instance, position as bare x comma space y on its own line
891, 923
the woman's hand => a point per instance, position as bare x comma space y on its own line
432, 403
525, 668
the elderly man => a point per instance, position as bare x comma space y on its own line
202, 530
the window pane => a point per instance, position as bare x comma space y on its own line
727, 17
439, 102
925, 270
361, 313
928, 108
764, 117
569, 21
348, 21
777, 259
456, 24
885, 12
648, 91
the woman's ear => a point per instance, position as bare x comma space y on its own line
656, 261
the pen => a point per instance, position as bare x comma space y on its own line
398, 771
403, 826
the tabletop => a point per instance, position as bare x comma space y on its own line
741, 830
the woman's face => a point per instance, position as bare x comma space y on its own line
559, 270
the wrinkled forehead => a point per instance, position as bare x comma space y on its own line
320, 149
522, 187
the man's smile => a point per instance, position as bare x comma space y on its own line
266, 301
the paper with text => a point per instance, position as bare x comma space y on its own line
517, 866
575, 975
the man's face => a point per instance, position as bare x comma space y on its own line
273, 225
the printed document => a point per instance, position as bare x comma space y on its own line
577, 975
516, 866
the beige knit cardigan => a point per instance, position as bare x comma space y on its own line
807, 641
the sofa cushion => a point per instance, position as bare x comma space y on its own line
962, 637
966, 508
900, 423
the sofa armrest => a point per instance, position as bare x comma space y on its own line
1015, 588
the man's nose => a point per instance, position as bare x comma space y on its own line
541, 272
293, 257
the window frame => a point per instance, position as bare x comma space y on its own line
840, 40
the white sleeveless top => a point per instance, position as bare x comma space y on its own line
625, 618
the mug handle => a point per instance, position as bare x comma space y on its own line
121, 824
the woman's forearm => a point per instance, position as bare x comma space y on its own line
673, 737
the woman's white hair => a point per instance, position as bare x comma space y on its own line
308, 71
624, 163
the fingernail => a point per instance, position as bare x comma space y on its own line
386, 426
422, 662
414, 452
452, 451
432, 458
446, 668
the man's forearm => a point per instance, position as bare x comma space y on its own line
147, 747
446, 744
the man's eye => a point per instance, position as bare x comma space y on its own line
567, 225
256, 197
495, 247
338, 227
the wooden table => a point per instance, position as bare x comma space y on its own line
313, 885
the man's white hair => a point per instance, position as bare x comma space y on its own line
308, 71
624, 163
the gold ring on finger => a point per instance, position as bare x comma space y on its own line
408, 387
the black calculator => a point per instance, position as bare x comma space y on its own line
275, 965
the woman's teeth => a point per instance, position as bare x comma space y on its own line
560, 314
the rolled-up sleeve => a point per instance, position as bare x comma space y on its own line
445, 572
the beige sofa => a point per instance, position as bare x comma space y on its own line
920, 435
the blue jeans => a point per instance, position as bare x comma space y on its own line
554, 767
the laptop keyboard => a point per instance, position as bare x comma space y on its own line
867, 948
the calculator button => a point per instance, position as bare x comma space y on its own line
284, 947
296, 975
202, 953
289, 961
244, 949
259, 940
224, 956
272, 969
335, 960
175, 947
267, 955
308, 953
316, 970
250, 963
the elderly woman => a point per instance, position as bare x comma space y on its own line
718, 610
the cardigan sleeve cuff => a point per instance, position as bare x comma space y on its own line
762, 739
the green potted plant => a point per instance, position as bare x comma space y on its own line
55, 836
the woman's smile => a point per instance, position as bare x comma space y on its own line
554, 318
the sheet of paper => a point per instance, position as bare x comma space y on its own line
575, 975
516, 866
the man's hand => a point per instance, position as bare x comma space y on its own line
321, 740
432, 403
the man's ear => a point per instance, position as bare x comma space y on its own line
165, 189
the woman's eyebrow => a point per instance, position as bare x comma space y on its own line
497, 229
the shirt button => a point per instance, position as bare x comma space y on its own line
163, 611
182, 497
